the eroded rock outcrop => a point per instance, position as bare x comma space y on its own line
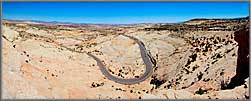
242, 70
42, 61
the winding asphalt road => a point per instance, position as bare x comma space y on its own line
148, 61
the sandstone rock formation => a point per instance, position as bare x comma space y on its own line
50, 61
242, 38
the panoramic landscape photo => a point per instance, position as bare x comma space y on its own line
125, 50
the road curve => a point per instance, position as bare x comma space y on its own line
144, 55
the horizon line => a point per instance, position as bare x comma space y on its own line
62, 22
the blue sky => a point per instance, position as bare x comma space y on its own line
122, 12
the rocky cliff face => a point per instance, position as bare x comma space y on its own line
242, 38
49, 62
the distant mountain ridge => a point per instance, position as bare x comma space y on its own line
71, 23
38, 21
240, 18
60, 23
205, 20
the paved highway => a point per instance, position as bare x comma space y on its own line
145, 57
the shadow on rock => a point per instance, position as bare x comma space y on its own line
242, 70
